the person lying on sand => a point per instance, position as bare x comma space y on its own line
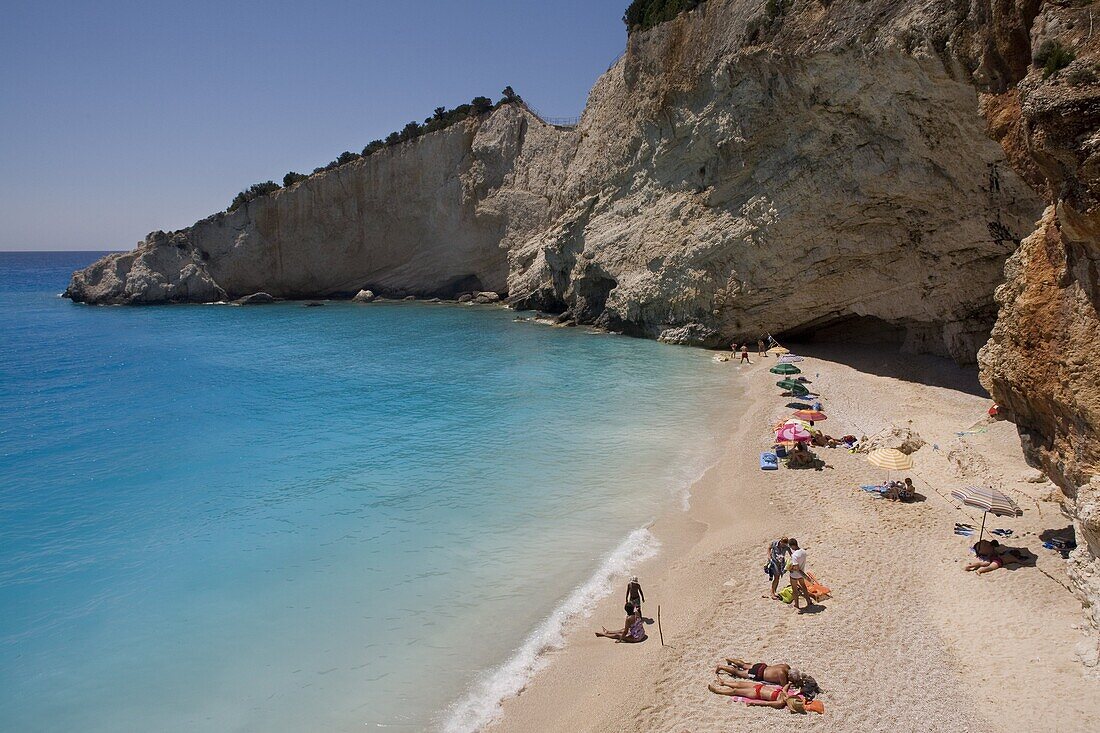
758, 693
776, 674
633, 630
822, 440
991, 556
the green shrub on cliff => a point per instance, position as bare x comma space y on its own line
644, 14
481, 105
441, 119
373, 147
252, 193
1053, 57
291, 178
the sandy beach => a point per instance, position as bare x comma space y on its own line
908, 641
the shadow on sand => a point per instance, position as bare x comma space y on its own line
886, 361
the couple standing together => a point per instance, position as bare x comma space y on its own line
777, 565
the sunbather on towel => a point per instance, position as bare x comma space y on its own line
990, 556
776, 674
758, 693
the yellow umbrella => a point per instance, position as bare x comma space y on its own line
780, 350
891, 459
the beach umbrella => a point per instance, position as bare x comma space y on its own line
790, 358
780, 349
793, 434
990, 501
796, 388
811, 415
805, 425
785, 369
891, 459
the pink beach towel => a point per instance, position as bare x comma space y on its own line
813, 707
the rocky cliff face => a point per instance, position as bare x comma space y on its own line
1040, 362
730, 177
430, 217
729, 182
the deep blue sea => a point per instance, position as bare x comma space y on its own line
281, 518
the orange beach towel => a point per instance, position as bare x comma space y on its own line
816, 590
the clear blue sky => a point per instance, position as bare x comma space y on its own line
119, 118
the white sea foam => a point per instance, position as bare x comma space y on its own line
482, 704
689, 475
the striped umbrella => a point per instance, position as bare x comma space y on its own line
891, 459
793, 433
790, 358
990, 501
811, 415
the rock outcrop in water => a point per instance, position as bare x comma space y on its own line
847, 168
431, 217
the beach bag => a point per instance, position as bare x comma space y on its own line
787, 594
815, 589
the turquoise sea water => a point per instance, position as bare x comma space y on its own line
283, 518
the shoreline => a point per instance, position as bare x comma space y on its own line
480, 706
895, 572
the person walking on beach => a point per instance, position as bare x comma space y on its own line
745, 353
777, 563
634, 595
798, 575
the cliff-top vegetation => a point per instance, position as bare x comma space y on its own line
441, 119
644, 14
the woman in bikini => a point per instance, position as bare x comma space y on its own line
633, 631
758, 693
990, 556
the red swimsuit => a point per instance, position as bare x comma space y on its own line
775, 692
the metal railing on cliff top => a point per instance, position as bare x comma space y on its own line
567, 121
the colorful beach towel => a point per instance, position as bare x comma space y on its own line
812, 707
817, 591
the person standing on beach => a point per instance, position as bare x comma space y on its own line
745, 353
733, 347
634, 595
798, 575
760, 350
777, 563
